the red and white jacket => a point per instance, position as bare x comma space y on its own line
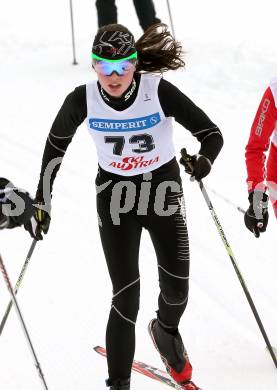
263, 133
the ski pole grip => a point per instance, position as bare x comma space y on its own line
187, 158
185, 155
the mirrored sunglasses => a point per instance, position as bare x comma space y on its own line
121, 67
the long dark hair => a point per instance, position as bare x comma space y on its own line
158, 51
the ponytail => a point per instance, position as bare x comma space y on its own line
158, 51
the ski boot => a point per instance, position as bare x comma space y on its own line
118, 384
173, 353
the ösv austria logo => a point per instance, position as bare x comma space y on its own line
134, 124
129, 163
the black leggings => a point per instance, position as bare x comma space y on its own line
121, 248
107, 12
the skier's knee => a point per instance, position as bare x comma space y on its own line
174, 287
175, 295
178, 299
127, 302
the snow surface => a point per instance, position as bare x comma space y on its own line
231, 54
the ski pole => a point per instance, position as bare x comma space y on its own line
187, 157
18, 283
72, 33
170, 17
13, 297
226, 200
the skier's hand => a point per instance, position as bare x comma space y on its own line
256, 216
16, 205
40, 222
198, 166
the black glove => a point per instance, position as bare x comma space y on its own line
6, 187
40, 222
256, 216
16, 205
198, 166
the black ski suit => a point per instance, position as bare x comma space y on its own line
121, 242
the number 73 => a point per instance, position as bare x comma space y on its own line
145, 143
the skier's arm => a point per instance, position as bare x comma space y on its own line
70, 116
259, 140
174, 103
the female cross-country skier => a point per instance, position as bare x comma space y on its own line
262, 174
128, 112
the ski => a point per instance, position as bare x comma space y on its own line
147, 370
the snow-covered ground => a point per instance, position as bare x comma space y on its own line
231, 54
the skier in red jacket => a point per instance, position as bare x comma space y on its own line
262, 171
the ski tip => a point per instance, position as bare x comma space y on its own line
100, 350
